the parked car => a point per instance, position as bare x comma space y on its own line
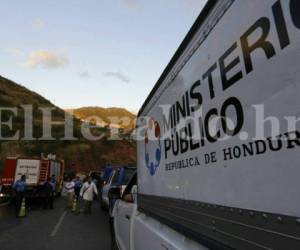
106, 174
119, 177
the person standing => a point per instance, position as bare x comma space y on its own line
19, 188
48, 191
77, 187
53, 183
54, 186
69, 187
87, 193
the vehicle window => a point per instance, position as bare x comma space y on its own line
128, 173
107, 174
133, 189
110, 177
115, 180
130, 187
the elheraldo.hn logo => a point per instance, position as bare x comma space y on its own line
152, 146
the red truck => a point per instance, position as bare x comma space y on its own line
36, 169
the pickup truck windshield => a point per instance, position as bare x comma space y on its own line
128, 173
122, 176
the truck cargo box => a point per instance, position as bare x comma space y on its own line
218, 146
30, 168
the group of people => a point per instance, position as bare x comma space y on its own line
46, 195
75, 189
86, 190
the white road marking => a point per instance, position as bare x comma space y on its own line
57, 226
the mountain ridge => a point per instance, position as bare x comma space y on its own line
107, 116
80, 154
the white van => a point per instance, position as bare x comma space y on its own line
218, 161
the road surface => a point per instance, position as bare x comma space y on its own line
56, 229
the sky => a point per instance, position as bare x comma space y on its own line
106, 53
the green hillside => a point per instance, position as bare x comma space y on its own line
105, 114
80, 154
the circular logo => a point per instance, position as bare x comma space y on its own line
152, 146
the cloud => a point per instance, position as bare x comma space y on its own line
131, 4
118, 76
84, 74
45, 59
38, 24
14, 52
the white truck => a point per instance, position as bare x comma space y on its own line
219, 137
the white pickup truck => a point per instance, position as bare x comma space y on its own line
218, 138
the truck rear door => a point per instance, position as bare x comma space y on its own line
30, 168
9, 171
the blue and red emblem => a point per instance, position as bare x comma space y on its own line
152, 146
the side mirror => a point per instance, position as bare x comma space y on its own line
114, 193
128, 198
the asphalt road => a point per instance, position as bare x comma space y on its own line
56, 229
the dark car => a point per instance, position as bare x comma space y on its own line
119, 177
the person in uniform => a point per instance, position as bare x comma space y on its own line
20, 188
77, 187
48, 191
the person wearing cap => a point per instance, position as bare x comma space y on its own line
53, 183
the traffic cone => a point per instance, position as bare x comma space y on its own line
22, 212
